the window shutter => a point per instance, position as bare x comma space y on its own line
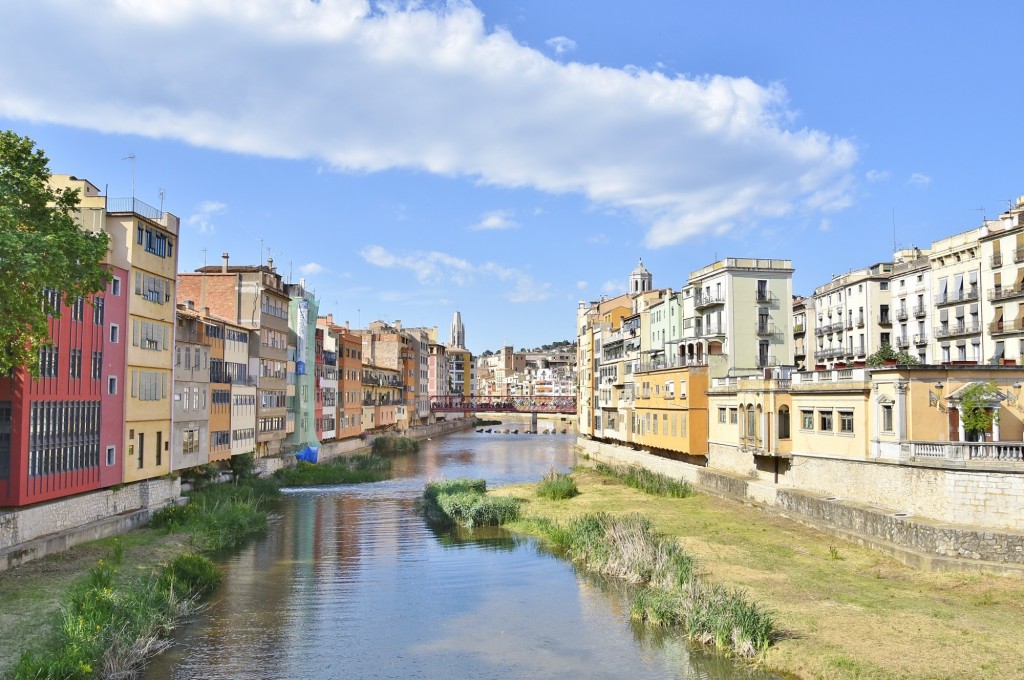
136, 326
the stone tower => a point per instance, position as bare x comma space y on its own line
458, 332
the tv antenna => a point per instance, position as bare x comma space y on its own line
131, 157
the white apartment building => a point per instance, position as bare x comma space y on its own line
850, 313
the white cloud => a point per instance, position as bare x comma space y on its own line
613, 287
436, 268
825, 224
877, 175
365, 87
202, 218
312, 268
495, 220
918, 179
581, 285
560, 44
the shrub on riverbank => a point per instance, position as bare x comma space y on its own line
557, 486
465, 502
343, 470
647, 481
392, 445
672, 592
111, 622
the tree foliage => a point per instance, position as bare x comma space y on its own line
41, 247
979, 408
887, 353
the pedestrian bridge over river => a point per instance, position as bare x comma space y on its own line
467, 403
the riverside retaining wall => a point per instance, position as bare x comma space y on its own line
919, 541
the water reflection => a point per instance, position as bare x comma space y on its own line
350, 582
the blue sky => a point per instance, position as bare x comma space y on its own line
507, 158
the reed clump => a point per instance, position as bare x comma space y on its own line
357, 469
220, 515
671, 591
465, 502
111, 622
649, 482
393, 445
557, 486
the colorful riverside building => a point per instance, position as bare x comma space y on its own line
77, 427
252, 297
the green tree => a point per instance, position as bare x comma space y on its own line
41, 248
979, 408
887, 353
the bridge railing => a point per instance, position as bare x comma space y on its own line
458, 402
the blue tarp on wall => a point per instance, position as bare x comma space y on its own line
308, 454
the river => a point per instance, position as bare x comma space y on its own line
349, 582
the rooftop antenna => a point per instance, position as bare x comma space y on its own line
982, 211
131, 157
894, 246
204, 257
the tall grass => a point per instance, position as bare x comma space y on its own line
672, 593
220, 515
557, 486
110, 622
464, 501
344, 470
647, 481
391, 444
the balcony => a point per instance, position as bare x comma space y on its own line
921, 339
765, 328
902, 315
955, 297
855, 351
712, 331
764, 296
1018, 255
766, 361
884, 320
1005, 293
997, 260
964, 452
901, 341
798, 329
860, 321
1001, 327
956, 329
702, 301
920, 311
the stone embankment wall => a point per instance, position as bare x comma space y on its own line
915, 539
29, 533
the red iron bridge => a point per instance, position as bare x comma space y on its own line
466, 403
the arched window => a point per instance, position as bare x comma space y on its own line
751, 422
783, 422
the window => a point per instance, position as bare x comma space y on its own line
721, 414
784, 422
846, 422
883, 285
734, 416
152, 288
97, 366
112, 384
807, 420
150, 335
75, 364
111, 455
825, 421
887, 417
48, 357
97, 311
190, 442
149, 385
115, 286
115, 333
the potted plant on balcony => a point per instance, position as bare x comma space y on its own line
887, 356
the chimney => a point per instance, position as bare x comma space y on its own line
270, 263
224, 264
206, 311
189, 304
330, 318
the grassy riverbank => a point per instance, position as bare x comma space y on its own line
843, 611
101, 608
